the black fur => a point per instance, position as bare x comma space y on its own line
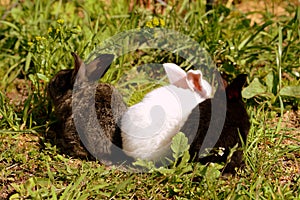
236, 122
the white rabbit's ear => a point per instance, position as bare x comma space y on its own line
176, 75
196, 83
194, 78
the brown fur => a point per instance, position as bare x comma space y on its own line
60, 91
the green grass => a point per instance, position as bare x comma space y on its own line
35, 44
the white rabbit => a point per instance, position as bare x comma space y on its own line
149, 126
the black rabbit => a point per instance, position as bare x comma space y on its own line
210, 123
107, 104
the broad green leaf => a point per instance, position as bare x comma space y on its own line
179, 145
292, 91
144, 164
213, 171
166, 171
254, 88
185, 159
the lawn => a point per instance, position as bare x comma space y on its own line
259, 38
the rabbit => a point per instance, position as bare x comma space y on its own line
109, 106
147, 128
236, 124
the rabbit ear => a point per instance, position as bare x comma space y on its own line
77, 61
191, 80
94, 70
174, 72
98, 67
222, 83
194, 78
198, 84
233, 90
176, 75
180, 78
79, 68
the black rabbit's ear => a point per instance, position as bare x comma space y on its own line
98, 67
94, 70
79, 68
233, 90
222, 84
77, 62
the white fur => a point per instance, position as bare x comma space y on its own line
149, 126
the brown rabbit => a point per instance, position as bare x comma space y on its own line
210, 123
108, 105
